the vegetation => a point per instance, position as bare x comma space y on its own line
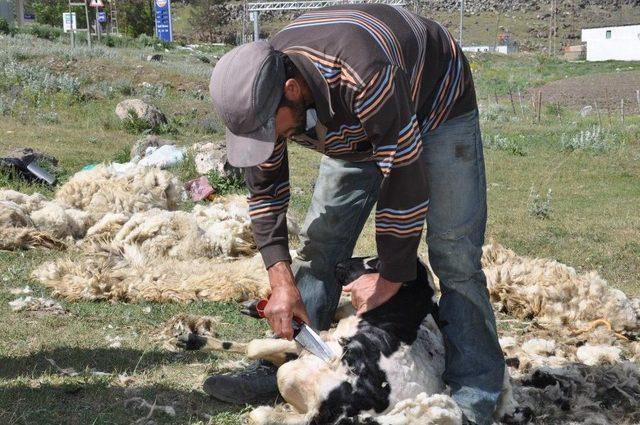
62, 102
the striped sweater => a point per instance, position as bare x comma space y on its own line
381, 77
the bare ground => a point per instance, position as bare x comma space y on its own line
606, 89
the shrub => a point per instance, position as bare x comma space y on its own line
153, 90
123, 155
135, 125
225, 185
37, 81
7, 106
5, 28
538, 207
502, 143
47, 32
594, 139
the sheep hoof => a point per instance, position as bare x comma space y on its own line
191, 341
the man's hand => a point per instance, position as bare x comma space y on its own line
285, 301
370, 291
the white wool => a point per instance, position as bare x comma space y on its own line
131, 275
227, 225
436, 409
104, 189
540, 347
61, 222
13, 215
595, 354
553, 293
507, 342
107, 226
156, 232
30, 303
27, 202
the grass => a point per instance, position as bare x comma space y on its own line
592, 222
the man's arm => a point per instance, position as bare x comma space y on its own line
268, 185
386, 111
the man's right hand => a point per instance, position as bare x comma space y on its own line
285, 301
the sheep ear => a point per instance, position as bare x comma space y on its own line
349, 270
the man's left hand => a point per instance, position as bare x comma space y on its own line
370, 291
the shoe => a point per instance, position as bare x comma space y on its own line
255, 383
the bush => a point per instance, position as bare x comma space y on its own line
502, 143
122, 156
538, 207
594, 139
47, 32
135, 125
225, 185
5, 28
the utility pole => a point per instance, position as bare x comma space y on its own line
461, 21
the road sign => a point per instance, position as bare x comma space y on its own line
164, 29
69, 21
102, 17
96, 3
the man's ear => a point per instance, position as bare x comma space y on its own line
292, 90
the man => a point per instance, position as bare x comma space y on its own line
388, 98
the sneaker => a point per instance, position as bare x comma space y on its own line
255, 383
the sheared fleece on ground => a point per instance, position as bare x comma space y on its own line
128, 242
159, 255
29, 221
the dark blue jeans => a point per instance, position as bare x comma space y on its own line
343, 198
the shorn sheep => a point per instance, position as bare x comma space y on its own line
387, 368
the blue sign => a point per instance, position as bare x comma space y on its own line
164, 30
102, 17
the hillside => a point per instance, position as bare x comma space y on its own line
526, 22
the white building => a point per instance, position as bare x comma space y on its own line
612, 43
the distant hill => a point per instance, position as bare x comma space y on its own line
526, 22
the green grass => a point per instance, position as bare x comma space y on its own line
593, 222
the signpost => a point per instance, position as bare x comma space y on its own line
97, 4
69, 21
164, 29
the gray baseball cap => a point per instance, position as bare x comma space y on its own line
246, 87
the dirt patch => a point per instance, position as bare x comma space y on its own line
606, 89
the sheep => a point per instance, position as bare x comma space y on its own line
387, 369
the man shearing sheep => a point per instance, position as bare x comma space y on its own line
388, 98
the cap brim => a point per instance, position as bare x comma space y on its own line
251, 149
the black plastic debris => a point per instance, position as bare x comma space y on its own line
25, 162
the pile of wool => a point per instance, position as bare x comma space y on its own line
435, 409
108, 189
578, 393
160, 255
28, 221
554, 293
133, 275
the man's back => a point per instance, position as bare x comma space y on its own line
349, 45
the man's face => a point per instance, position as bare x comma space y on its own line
290, 119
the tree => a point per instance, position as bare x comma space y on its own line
136, 17
208, 17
